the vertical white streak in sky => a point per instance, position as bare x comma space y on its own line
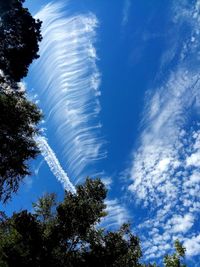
126, 10
54, 164
66, 81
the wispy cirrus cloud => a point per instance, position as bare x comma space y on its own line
125, 12
165, 168
66, 81
117, 214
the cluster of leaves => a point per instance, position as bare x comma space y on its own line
67, 234
175, 260
19, 35
18, 119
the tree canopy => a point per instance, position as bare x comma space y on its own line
175, 260
19, 35
68, 234
18, 119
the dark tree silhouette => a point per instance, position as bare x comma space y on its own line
67, 234
18, 119
19, 37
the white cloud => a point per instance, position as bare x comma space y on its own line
54, 164
181, 223
193, 179
165, 170
107, 181
66, 80
163, 164
117, 214
192, 245
194, 159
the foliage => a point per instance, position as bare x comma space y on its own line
18, 121
44, 207
68, 234
19, 35
175, 259
21, 240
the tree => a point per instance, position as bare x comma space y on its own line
175, 260
45, 206
19, 35
21, 240
68, 234
5, 5
18, 119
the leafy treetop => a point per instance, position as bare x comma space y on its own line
19, 35
18, 119
19, 38
68, 234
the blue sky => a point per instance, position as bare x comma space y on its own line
118, 83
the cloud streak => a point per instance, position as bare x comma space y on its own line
66, 81
117, 214
165, 168
67, 91
54, 164
126, 9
